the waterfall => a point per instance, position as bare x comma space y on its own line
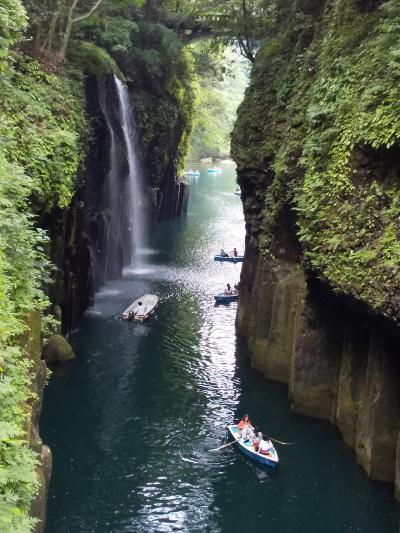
125, 225
135, 192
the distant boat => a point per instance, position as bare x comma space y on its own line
238, 192
192, 172
229, 258
214, 169
141, 312
223, 298
247, 448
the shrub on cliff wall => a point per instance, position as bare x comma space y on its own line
20, 291
41, 122
322, 119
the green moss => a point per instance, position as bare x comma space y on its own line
322, 119
89, 58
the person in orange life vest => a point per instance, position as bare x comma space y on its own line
245, 428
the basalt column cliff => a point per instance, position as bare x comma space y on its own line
318, 154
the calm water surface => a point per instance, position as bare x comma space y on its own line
132, 420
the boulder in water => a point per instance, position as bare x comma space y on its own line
57, 350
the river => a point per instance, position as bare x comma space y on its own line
132, 420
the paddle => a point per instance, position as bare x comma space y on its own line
224, 446
280, 442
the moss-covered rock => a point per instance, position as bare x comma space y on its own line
57, 350
321, 119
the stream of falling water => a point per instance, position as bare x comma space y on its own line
135, 185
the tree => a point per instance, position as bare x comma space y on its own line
73, 18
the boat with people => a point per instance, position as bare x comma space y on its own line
141, 308
238, 192
192, 172
248, 448
229, 258
214, 169
224, 298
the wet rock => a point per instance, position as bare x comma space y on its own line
351, 381
39, 504
57, 349
378, 421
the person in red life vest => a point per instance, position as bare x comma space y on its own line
235, 252
245, 428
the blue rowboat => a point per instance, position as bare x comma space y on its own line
229, 258
215, 169
192, 173
223, 298
247, 448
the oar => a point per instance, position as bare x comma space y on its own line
280, 442
224, 446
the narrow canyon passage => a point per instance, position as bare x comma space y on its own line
131, 421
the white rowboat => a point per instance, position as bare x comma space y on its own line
141, 312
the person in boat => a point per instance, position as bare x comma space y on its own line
234, 252
257, 438
223, 253
245, 428
265, 445
228, 291
139, 311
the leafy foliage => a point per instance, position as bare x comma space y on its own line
41, 127
324, 108
215, 107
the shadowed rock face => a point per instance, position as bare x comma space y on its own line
340, 365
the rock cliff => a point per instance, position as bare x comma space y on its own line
317, 148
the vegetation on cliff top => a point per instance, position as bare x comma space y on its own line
322, 120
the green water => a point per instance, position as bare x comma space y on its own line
132, 420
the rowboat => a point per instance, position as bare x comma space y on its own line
229, 258
192, 172
223, 298
214, 169
247, 448
238, 193
141, 312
